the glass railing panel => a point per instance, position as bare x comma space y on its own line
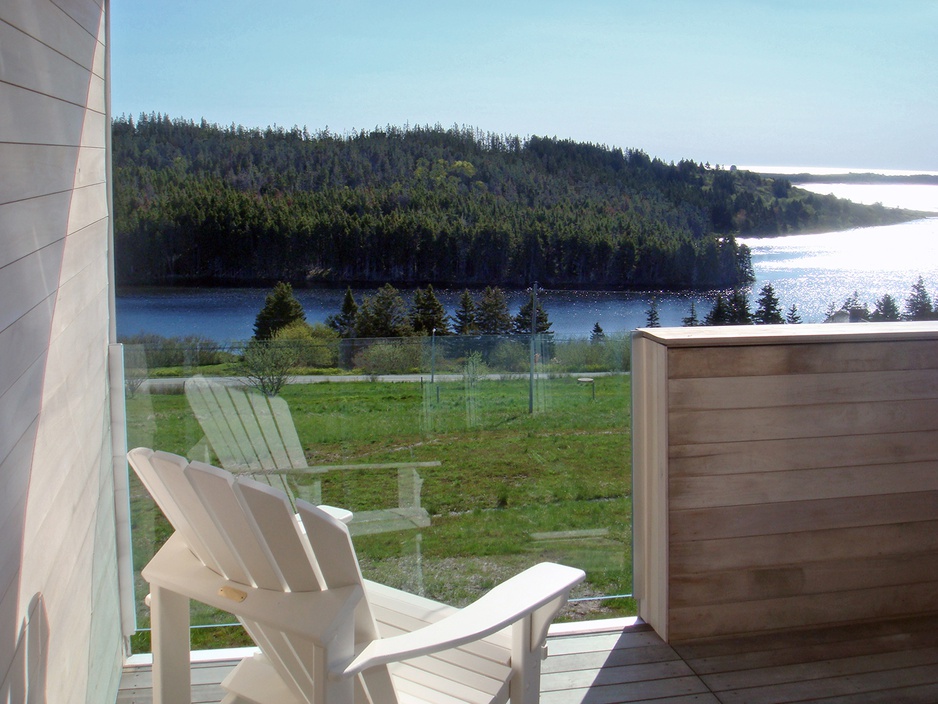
461, 462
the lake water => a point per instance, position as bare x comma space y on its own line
810, 271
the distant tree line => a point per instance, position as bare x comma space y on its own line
734, 309
387, 314
196, 203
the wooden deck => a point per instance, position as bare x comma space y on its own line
894, 662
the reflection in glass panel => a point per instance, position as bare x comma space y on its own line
462, 463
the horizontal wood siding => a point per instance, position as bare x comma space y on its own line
802, 480
60, 637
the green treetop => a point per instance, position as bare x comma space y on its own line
522, 321
344, 322
652, 319
280, 309
886, 309
597, 334
427, 313
383, 315
691, 320
918, 305
493, 317
719, 314
768, 311
465, 318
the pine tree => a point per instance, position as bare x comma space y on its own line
280, 309
597, 335
855, 310
886, 309
428, 314
793, 317
918, 305
521, 324
768, 311
739, 313
719, 314
691, 320
383, 315
493, 317
344, 322
465, 317
652, 319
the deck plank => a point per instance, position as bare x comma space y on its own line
883, 662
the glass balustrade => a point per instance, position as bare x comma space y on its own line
464, 459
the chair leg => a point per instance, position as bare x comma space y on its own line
525, 687
169, 621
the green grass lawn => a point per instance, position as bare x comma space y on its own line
513, 487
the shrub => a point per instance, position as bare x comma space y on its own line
314, 345
391, 357
267, 365
189, 351
509, 356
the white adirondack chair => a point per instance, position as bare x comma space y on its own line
254, 434
326, 635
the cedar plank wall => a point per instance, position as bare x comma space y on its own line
790, 475
60, 635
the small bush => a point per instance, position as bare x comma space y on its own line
314, 345
188, 351
267, 365
510, 356
391, 357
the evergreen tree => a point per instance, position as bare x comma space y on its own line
280, 309
652, 320
918, 305
344, 322
465, 317
793, 317
428, 314
768, 311
493, 317
383, 315
720, 313
886, 309
691, 320
739, 313
521, 323
855, 310
597, 335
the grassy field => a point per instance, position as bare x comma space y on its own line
513, 487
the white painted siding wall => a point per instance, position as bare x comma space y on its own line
59, 617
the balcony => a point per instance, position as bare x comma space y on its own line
786, 508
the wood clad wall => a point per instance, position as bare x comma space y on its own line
802, 480
60, 637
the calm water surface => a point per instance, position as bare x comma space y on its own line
810, 271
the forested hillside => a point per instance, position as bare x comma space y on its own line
203, 204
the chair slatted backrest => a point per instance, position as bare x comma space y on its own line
247, 532
248, 431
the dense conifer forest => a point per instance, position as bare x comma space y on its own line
209, 205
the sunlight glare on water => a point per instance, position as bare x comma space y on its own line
813, 271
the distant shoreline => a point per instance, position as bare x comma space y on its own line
857, 178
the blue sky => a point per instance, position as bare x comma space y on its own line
849, 83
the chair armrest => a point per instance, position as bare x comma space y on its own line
545, 586
323, 468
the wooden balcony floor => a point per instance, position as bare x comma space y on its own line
894, 662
